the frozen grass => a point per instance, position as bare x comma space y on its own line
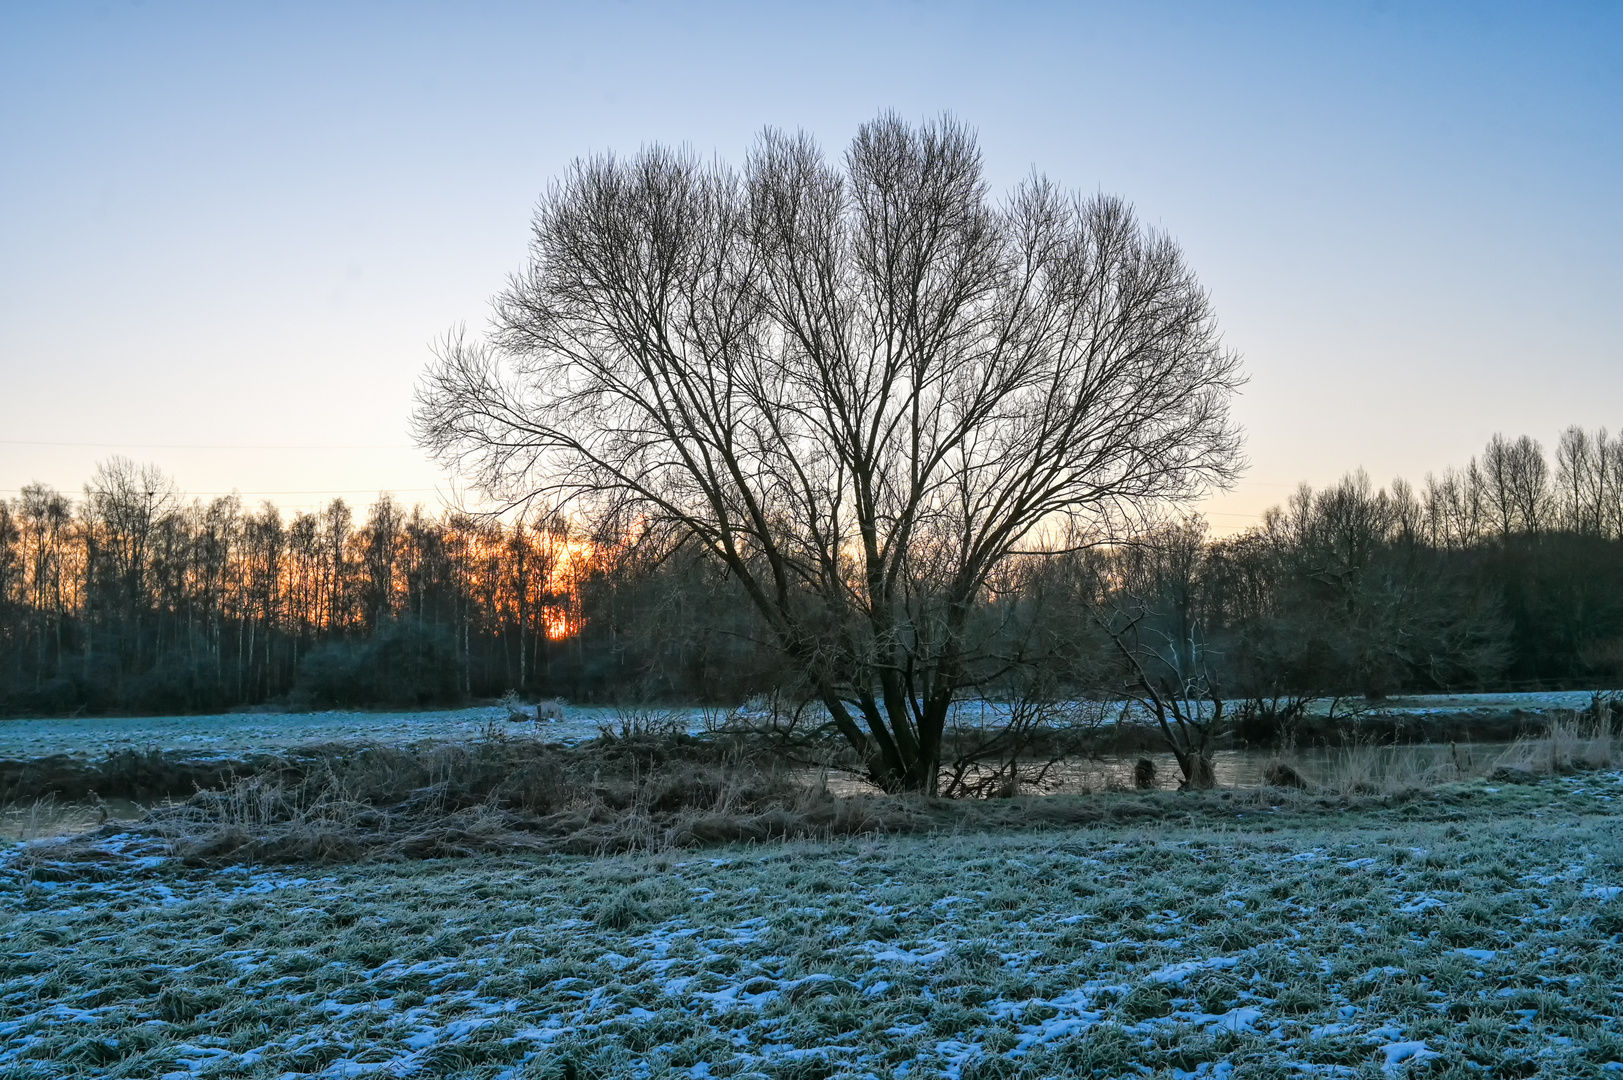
235, 734
44, 819
1568, 744
1472, 934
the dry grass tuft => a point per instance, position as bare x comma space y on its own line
1362, 768
344, 803
443, 799
1570, 743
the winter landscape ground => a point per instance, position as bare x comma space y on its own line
255, 731
1471, 930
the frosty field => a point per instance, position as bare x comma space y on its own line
1472, 932
236, 733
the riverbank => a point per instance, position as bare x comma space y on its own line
366, 800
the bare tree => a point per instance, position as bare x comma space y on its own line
381, 543
1170, 679
123, 508
337, 524
1455, 508
1517, 479
861, 388
44, 517
1150, 598
11, 560
1587, 473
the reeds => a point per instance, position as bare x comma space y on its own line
636, 789
352, 802
1362, 768
1569, 742
43, 818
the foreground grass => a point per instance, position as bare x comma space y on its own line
1475, 934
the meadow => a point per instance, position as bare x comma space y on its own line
1468, 930
267, 730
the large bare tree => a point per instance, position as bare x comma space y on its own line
862, 385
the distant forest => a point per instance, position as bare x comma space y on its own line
1506, 574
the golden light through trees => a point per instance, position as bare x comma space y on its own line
134, 578
571, 559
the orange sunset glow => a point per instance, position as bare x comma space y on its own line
571, 559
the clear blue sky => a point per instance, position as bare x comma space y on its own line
238, 226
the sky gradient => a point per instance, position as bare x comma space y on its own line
229, 233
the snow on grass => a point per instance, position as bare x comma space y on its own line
1186, 950
236, 733
231, 734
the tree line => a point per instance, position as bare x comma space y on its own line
1504, 574
132, 598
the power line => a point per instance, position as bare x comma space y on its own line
211, 446
332, 491
419, 491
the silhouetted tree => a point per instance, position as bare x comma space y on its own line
861, 387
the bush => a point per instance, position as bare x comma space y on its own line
405, 662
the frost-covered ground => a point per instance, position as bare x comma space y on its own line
1530, 701
1473, 934
237, 733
